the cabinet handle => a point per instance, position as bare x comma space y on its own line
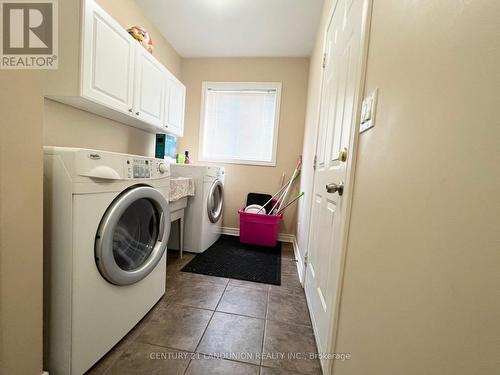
137, 113
130, 110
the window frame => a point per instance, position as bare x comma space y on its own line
240, 86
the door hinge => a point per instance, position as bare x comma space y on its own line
305, 260
315, 162
324, 61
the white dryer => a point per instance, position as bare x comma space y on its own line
106, 228
203, 217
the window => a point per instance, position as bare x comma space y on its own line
239, 122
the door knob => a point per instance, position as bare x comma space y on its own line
342, 155
334, 188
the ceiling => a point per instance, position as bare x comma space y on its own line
236, 28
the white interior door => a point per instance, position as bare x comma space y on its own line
108, 60
341, 81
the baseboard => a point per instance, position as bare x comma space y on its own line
230, 231
300, 261
283, 237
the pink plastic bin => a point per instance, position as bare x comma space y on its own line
256, 229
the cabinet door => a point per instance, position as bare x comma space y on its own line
150, 78
108, 60
174, 114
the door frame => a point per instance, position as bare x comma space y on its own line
352, 158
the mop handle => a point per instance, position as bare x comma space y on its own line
288, 185
285, 194
296, 172
283, 208
282, 180
278, 202
275, 195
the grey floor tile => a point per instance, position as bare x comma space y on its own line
176, 326
244, 301
287, 251
233, 335
216, 366
276, 371
290, 283
173, 283
200, 277
249, 284
145, 359
285, 308
188, 292
290, 271
174, 263
289, 267
295, 342
180, 319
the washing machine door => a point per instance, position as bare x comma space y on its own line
132, 235
215, 201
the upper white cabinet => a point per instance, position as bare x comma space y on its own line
108, 60
174, 106
103, 70
149, 91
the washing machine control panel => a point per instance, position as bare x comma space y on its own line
139, 168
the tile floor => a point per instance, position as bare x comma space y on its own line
212, 325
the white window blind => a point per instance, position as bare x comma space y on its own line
240, 122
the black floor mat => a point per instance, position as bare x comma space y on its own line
229, 258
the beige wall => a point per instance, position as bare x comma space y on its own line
421, 292
242, 179
21, 107
71, 127
28, 122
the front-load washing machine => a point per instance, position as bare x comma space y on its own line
203, 216
106, 227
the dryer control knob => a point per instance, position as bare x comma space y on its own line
162, 168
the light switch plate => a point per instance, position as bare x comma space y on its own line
368, 110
